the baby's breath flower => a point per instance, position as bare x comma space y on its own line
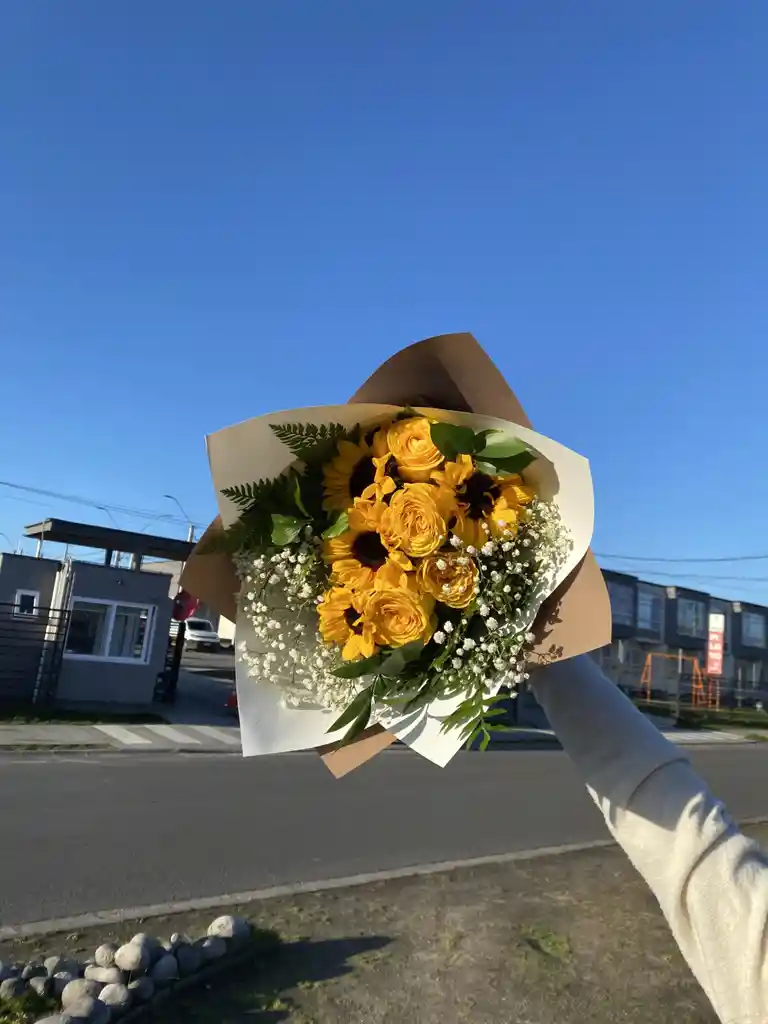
442, 564
455, 541
439, 637
448, 627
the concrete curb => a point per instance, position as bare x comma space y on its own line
80, 921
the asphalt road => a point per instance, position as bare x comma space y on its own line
219, 665
98, 832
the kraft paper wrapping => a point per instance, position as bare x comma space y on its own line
453, 372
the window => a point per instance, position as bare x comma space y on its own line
200, 625
650, 611
748, 675
622, 603
691, 617
27, 603
753, 629
107, 631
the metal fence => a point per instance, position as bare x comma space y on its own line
31, 650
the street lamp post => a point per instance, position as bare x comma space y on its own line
191, 525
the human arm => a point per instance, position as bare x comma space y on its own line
710, 880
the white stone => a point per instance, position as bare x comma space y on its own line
77, 989
229, 927
42, 985
34, 970
153, 946
56, 964
132, 958
116, 997
12, 988
105, 975
105, 955
89, 1010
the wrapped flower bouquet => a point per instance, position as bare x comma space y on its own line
387, 564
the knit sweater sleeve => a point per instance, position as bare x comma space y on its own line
710, 880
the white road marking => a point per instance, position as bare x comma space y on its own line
232, 738
124, 736
169, 733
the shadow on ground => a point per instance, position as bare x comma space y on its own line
260, 992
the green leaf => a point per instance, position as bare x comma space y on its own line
339, 525
394, 663
452, 440
361, 703
308, 441
297, 496
505, 467
481, 438
499, 446
285, 529
354, 669
486, 740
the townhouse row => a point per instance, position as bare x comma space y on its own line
650, 618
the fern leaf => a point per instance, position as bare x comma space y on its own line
309, 441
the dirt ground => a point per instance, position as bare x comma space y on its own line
557, 940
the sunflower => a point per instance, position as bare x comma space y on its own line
342, 622
359, 558
485, 506
357, 470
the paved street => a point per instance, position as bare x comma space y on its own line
99, 831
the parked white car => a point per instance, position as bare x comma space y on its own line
200, 634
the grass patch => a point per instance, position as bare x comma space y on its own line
705, 718
548, 943
28, 1008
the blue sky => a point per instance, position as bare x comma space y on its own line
214, 210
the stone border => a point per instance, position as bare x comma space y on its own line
125, 982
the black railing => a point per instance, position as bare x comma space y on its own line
31, 650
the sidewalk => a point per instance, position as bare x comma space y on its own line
125, 738
224, 737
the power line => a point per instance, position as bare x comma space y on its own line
166, 517
645, 558
702, 576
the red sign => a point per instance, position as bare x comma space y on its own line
715, 644
184, 606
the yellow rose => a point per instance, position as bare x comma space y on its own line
399, 616
416, 455
412, 521
449, 578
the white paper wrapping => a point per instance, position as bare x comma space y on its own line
250, 451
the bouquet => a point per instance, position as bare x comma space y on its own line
388, 565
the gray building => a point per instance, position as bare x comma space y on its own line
101, 631
673, 621
79, 632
